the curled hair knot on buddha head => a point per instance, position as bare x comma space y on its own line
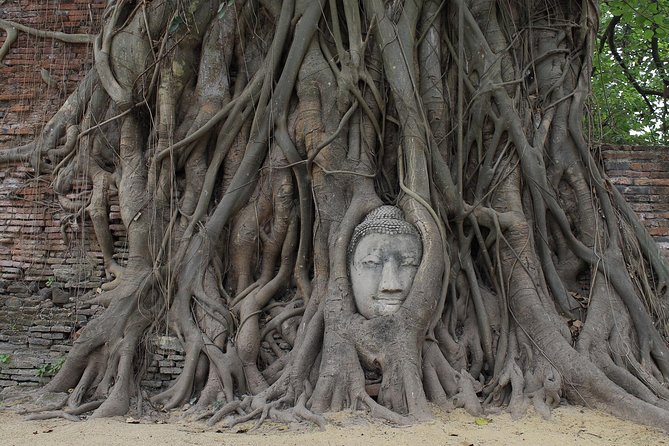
385, 219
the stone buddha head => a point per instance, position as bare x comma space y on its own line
383, 257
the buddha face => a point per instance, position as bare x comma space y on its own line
382, 269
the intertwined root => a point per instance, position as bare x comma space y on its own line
245, 141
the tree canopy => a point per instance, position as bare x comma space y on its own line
630, 78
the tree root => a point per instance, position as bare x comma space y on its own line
70, 414
241, 173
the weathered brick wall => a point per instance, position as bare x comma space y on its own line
50, 265
49, 259
642, 175
26, 100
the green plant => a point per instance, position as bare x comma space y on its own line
629, 72
50, 281
5, 358
47, 370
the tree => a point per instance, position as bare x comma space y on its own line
247, 140
630, 79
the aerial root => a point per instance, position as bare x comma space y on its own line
210, 393
447, 387
302, 411
252, 407
262, 418
543, 402
52, 414
249, 416
291, 415
70, 414
179, 392
384, 413
466, 397
118, 279
509, 389
227, 409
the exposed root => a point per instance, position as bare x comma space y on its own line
245, 141
47, 415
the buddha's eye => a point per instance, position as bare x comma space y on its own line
409, 261
371, 262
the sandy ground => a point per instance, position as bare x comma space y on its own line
568, 426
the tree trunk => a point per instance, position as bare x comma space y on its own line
249, 140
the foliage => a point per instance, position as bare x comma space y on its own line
50, 369
630, 78
5, 358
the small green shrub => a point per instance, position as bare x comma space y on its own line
47, 370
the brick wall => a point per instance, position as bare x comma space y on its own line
50, 265
642, 175
27, 101
49, 259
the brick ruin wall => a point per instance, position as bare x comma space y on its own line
49, 259
26, 100
642, 175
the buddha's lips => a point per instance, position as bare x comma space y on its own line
389, 300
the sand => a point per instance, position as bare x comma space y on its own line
569, 426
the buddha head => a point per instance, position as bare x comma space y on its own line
383, 257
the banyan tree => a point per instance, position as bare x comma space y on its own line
376, 205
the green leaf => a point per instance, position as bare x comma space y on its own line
46, 370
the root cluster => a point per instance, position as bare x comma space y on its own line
246, 140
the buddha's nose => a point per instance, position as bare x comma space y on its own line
390, 278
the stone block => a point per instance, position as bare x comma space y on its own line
60, 296
53, 335
60, 348
12, 302
169, 343
26, 378
24, 362
32, 341
18, 340
21, 372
